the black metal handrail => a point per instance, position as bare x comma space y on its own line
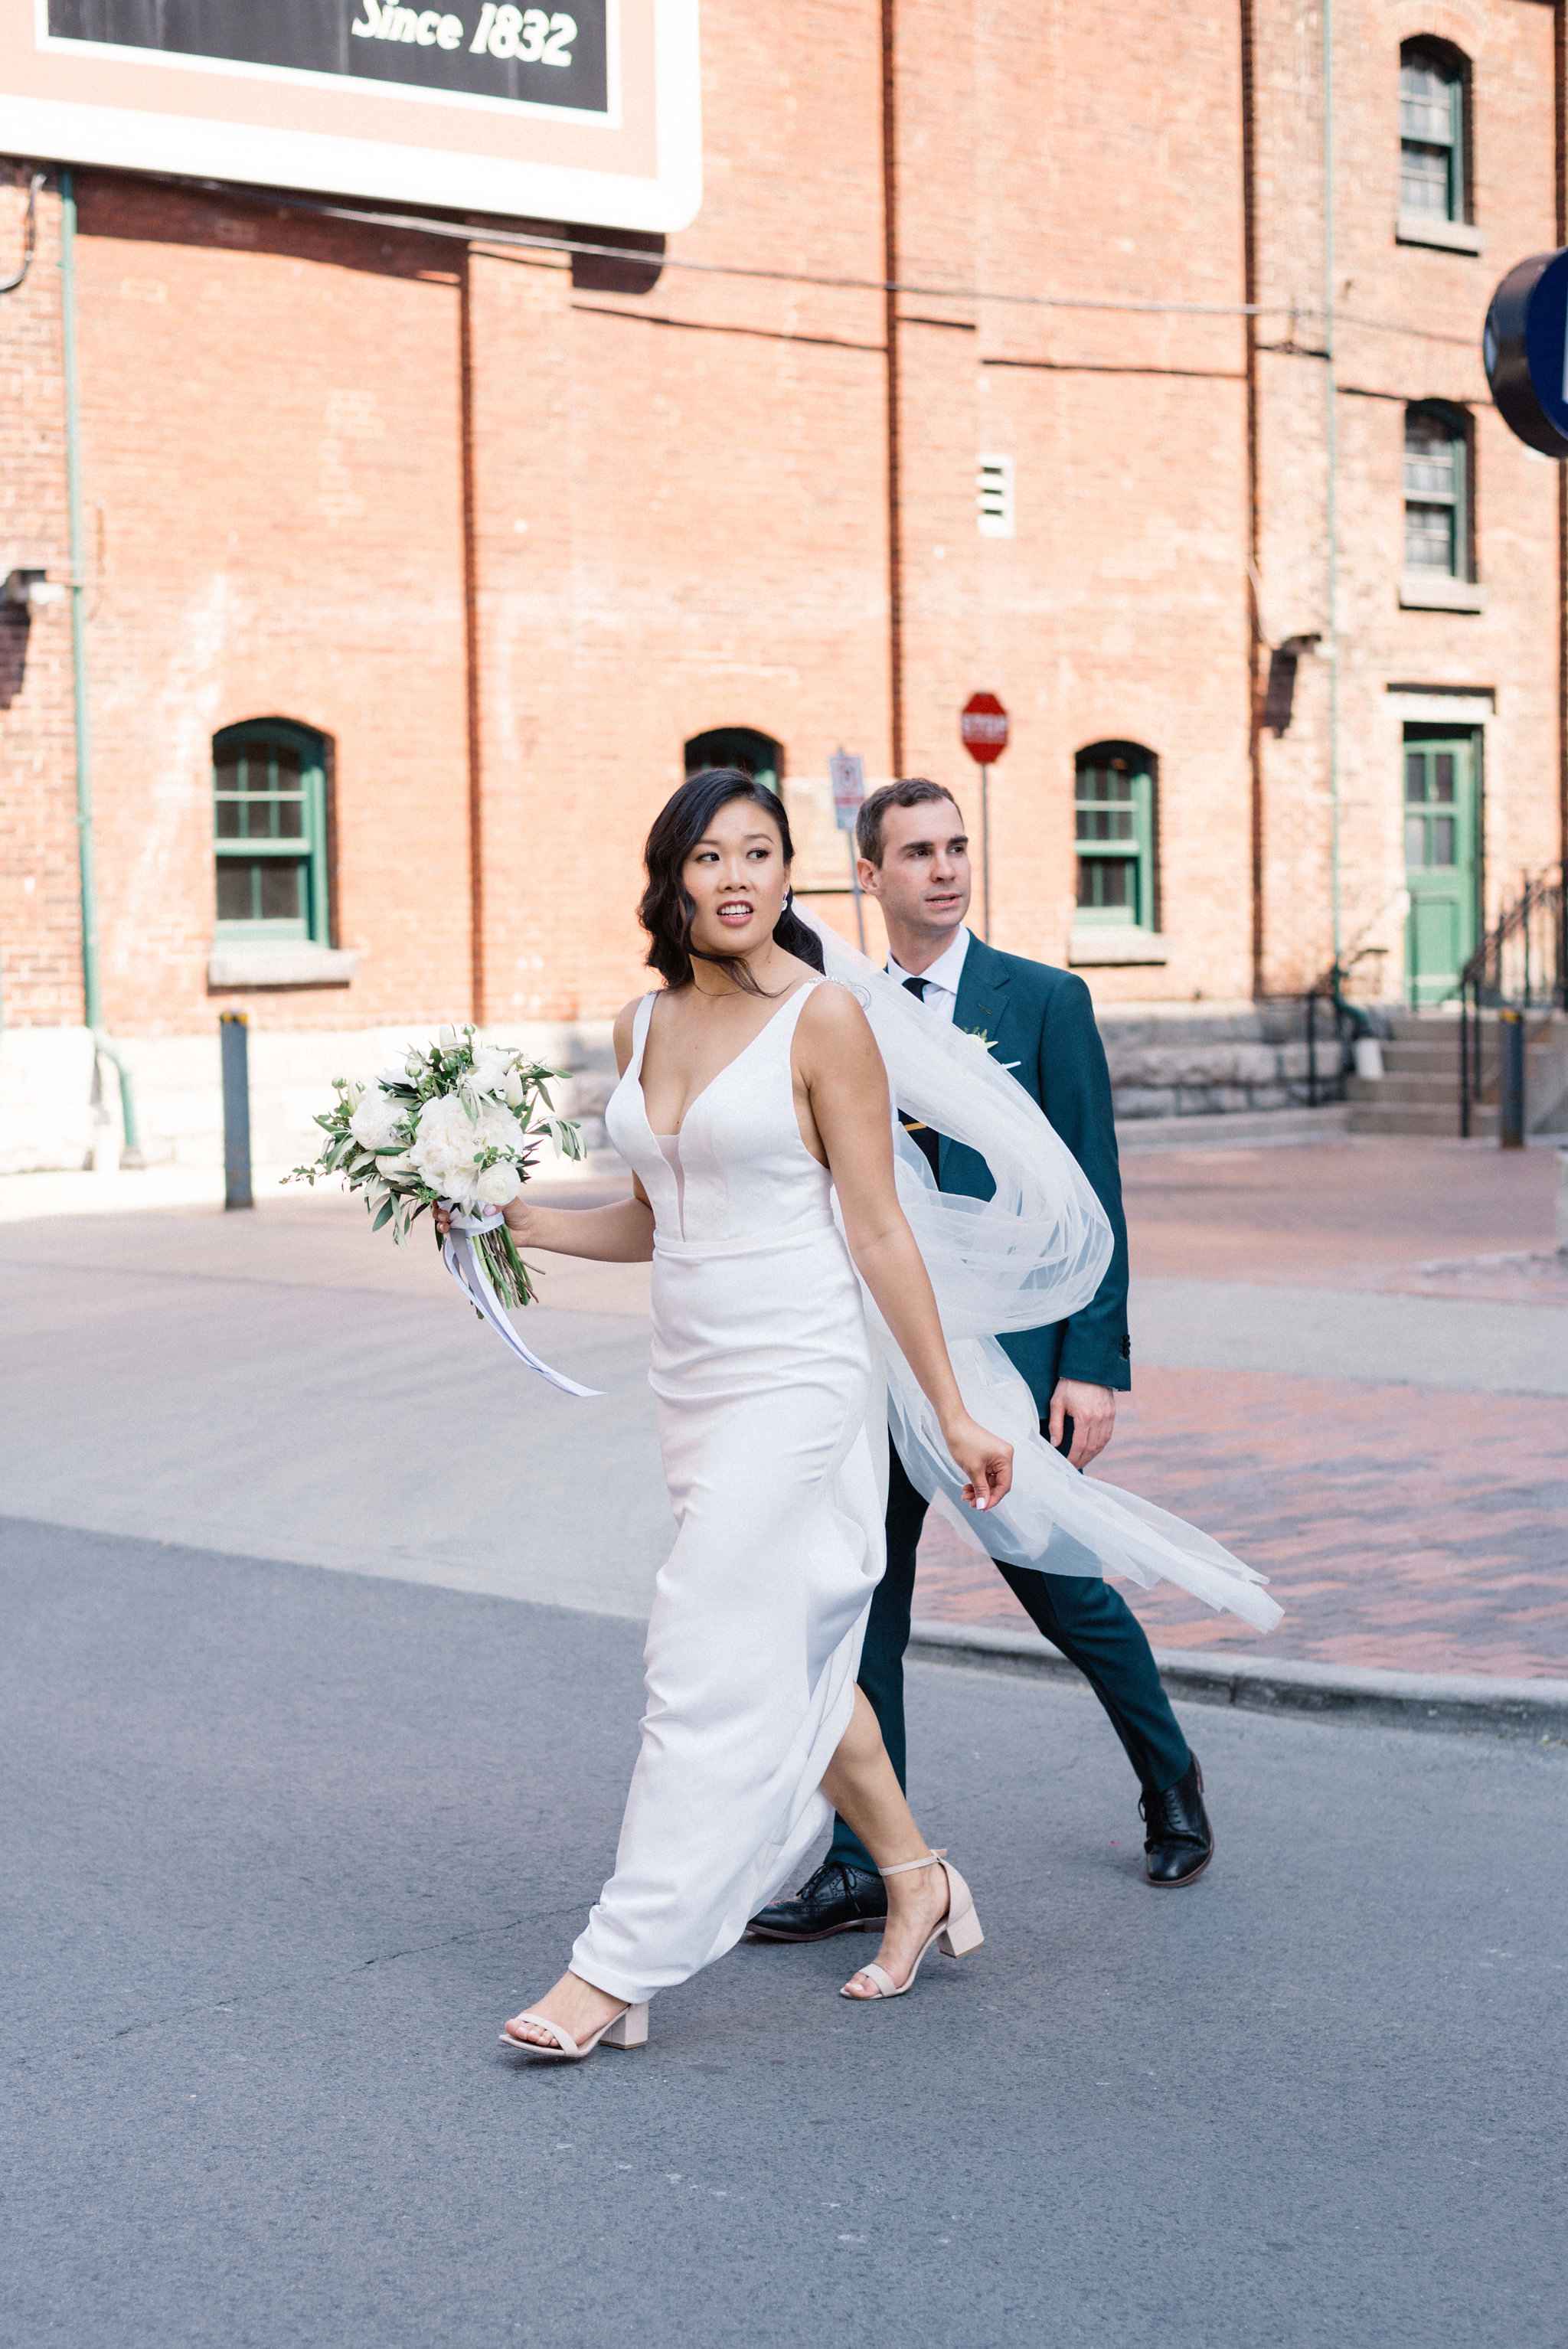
1325, 1087
1522, 964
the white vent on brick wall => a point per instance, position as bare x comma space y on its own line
993, 497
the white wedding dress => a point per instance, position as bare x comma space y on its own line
770, 1419
775, 1381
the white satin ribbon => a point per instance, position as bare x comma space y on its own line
469, 1269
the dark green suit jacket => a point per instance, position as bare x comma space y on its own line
1040, 1022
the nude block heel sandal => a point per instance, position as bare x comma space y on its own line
627, 2029
958, 1933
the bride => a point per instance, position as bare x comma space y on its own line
793, 1313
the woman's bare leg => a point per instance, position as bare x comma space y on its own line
863, 1789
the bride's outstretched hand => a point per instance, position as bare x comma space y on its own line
984, 1458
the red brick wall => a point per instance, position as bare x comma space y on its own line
270, 429
680, 512
689, 528
40, 928
1409, 329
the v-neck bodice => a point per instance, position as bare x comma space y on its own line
740, 1168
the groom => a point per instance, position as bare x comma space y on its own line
915, 860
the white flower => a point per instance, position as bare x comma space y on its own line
488, 1073
447, 1141
414, 1066
400, 1171
512, 1087
499, 1185
378, 1121
447, 1038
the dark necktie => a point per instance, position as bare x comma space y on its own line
925, 1141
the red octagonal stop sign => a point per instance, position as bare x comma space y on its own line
982, 724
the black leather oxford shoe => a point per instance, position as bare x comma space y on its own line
837, 1899
1180, 1842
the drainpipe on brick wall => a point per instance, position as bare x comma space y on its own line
890, 329
1331, 456
473, 704
1254, 511
92, 1001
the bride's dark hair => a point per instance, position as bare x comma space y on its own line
666, 911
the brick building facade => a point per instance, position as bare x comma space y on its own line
498, 529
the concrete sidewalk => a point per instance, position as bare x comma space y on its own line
1346, 1375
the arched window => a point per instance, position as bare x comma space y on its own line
1115, 811
269, 822
1434, 131
1438, 535
737, 746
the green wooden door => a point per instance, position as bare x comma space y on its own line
1442, 775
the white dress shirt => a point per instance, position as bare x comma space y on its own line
942, 977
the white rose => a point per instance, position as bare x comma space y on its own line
512, 1087
447, 1141
488, 1073
447, 1038
378, 1121
499, 1185
495, 1128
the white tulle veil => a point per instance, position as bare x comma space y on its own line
1034, 1252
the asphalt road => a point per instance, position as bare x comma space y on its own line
281, 1847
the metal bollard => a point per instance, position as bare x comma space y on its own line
1563, 1204
234, 1037
1510, 1081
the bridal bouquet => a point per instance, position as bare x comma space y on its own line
459, 1124
459, 1121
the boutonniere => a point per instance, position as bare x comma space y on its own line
989, 1043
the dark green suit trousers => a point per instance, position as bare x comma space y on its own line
1041, 1023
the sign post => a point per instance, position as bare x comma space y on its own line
1526, 352
983, 727
847, 774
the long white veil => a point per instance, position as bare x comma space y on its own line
1034, 1252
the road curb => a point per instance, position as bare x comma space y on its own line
1468, 1701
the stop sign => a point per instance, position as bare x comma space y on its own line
982, 724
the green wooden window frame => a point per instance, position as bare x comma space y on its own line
1114, 823
1433, 99
1437, 533
754, 755
269, 822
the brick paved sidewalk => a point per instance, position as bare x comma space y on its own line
1399, 1526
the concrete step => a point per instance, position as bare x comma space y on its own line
1420, 1026
1436, 1124
1409, 1058
1397, 1090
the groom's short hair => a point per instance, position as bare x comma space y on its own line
914, 790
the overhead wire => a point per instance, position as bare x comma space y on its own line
502, 243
